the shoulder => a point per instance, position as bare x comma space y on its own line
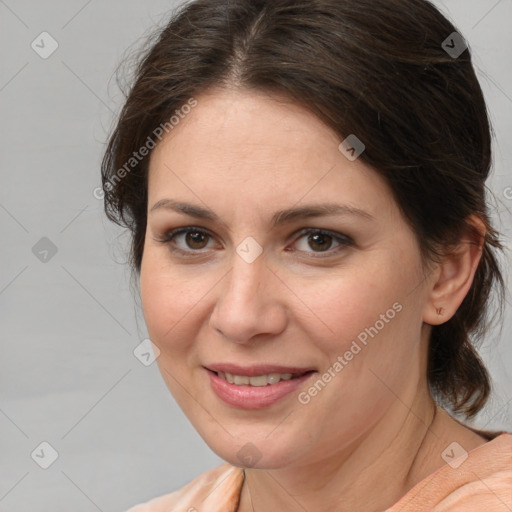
477, 480
492, 493
219, 488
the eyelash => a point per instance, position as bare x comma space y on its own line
343, 240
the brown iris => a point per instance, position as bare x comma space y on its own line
322, 241
195, 238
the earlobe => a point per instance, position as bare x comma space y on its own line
455, 274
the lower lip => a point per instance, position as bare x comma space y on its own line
254, 397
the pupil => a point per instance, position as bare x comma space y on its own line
195, 238
322, 240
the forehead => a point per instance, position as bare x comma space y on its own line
265, 148
235, 123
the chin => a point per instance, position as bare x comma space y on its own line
259, 453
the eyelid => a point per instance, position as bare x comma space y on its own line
334, 234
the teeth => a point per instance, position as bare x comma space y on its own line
241, 379
274, 378
258, 380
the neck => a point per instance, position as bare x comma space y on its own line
371, 473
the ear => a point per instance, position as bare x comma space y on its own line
455, 274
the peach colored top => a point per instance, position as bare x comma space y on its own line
482, 482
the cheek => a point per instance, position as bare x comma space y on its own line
170, 298
167, 297
375, 324
361, 298
374, 346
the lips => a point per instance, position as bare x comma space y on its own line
258, 395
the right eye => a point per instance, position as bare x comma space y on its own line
186, 240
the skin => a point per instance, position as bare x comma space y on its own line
371, 433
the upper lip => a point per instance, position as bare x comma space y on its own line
257, 369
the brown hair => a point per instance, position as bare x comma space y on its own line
374, 68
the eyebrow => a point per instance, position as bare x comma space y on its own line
279, 218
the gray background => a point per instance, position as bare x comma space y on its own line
69, 325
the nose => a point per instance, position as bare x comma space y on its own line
250, 302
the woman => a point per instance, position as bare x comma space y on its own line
304, 184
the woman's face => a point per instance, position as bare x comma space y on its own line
253, 290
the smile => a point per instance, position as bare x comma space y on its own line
256, 387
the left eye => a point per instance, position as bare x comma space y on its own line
321, 241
